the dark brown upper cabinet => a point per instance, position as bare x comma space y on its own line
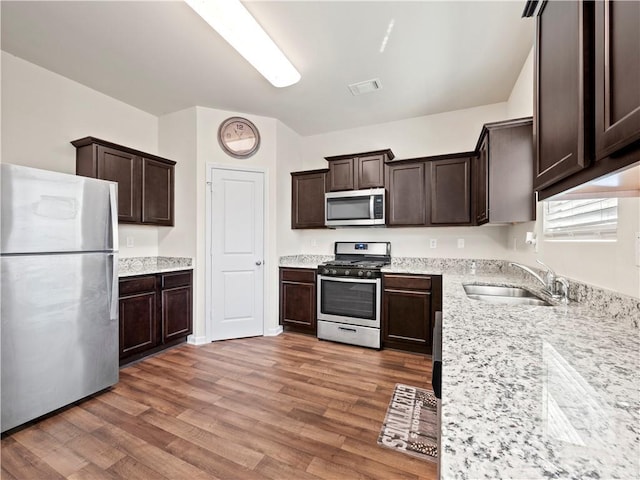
617, 60
481, 182
430, 190
358, 170
449, 190
587, 100
307, 198
406, 199
563, 90
145, 181
504, 173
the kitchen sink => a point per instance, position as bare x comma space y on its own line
503, 295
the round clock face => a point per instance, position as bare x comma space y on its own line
239, 137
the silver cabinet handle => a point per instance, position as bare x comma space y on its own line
258, 263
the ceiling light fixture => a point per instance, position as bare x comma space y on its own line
236, 25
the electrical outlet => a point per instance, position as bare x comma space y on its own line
637, 249
130, 242
314, 242
515, 243
433, 243
461, 243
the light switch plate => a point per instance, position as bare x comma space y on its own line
130, 242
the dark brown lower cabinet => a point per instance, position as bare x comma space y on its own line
155, 313
408, 311
176, 305
298, 299
137, 315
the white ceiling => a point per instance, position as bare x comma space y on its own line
161, 57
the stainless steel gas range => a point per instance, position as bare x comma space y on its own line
349, 292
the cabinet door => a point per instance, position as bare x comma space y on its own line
176, 313
307, 199
137, 323
407, 320
482, 183
125, 169
157, 192
450, 191
406, 199
617, 75
563, 100
298, 299
341, 175
370, 172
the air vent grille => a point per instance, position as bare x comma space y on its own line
367, 86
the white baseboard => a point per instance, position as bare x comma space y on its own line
273, 332
193, 340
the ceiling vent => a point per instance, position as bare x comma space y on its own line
365, 87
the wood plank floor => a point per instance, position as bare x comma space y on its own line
286, 407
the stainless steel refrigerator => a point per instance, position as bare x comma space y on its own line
59, 290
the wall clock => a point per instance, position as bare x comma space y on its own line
239, 137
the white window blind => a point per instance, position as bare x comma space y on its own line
591, 219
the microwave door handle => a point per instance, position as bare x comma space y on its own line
371, 202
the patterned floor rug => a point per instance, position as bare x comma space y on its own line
411, 425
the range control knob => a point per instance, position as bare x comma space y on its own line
369, 274
360, 273
347, 272
333, 272
325, 271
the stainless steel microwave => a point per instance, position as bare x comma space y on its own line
355, 208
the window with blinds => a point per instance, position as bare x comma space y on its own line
592, 219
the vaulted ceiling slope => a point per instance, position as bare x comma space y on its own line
159, 56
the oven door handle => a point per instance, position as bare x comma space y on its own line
349, 280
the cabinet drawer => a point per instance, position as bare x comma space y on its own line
137, 285
298, 275
411, 282
178, 279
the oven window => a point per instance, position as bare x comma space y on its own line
348, 299
348, 208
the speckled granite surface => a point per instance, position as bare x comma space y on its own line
304, 261
537, 392
131, 266
534, 392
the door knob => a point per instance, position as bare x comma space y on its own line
258, 263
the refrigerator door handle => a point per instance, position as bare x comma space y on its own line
114, 294
113, 201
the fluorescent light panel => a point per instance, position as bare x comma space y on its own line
236, 25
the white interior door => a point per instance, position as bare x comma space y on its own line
237, 248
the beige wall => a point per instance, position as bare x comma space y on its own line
423, 136
210, 153
520, 103
43, 111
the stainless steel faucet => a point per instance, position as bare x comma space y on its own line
557, 287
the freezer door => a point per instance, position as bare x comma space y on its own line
59, 331
46, 211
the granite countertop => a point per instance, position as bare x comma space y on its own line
533, 392
132, 266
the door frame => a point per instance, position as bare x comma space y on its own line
208, 283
